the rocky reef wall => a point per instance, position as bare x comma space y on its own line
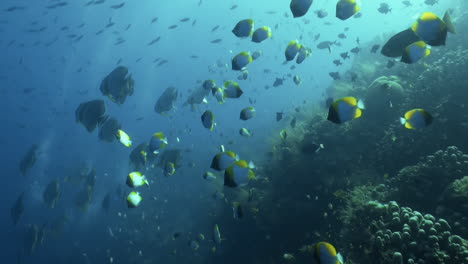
380, 192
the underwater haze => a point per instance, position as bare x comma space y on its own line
205, 131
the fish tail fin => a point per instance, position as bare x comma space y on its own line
448, 22
402, 120
361, 105
339, 257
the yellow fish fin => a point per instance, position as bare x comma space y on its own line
242, 163
349, 100
428, 16
427, 52
358, 113
414, 27
330, 249
420, 44
356, 8
409, 114
251, 175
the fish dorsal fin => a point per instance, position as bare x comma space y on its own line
357, 8
350, 100
428, 16
242, 164
420, 44
409, 114
328, 249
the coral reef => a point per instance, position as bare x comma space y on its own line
392, 234
436, 185
374, 158
456, 195
341, 89
384, 97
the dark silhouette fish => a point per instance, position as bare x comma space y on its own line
165, 102
326, 45
29, 159
337, 62
17, 210
110, 23
344, 55
154, 41
278, 82
355, 50
279, 116
59, 4
215, 28
119, 41
431, 2
335, 75
321, 13
375, 48
14, 8
117, 6
407, 3
384, 8
162, 62
396, 44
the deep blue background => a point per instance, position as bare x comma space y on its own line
45, 116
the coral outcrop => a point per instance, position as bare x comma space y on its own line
437, 185
392, 234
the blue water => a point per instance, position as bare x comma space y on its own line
182, 203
